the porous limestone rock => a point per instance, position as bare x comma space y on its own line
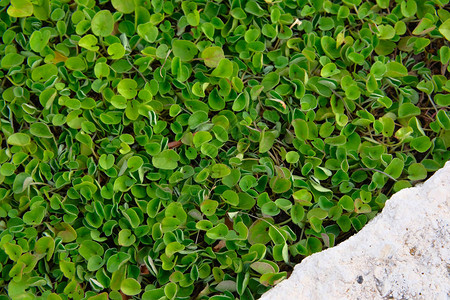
403, 253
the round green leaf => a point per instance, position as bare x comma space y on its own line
395, 69
130, 287
102, 23
19, 139
89, 42
224, 69
148, 31
444, 29
116, 51
421, 144
126, 238
127, 88
116, 261
417, 171
11, 60
217, 232
134, 163
166, 160
20, 8
185, 50
124, 6
44, 72
212, 56
231, 197
39, 39
40, 130
208, 207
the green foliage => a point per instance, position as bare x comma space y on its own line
199, 149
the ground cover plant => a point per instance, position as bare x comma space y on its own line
160, 149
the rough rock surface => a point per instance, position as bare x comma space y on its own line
403, 253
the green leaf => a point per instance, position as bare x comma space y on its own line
7, 169
11, 60
68, 268
102, 23
300, 128
166, 160
247, 182
173, 248
134, 163
395, 69
262, 267
170, 290
267, 140
224, 69
90, 249
212, 56
13, 251
106, 161
442, 99
94, 263
270, 209
40, 130
302, 197
230, 197
218, 232
127, 88
424, 26
408, 8
246, 202
329, 70
126, 238
344, 223
116, 261
148, 32
208, 207
44, 72
444, 29
346, 202
116, 51
130, 287
417, 171
280, 185
124, 6
408, 110
20, 8
443, 119
34, 216
386, 32
219, 170
297, 213
185, 50
395, 168
19, 139
45, 246
258, 232
270, 81
89, 42
39, 39
119, 101
421, 144
75, 64
201, 137
292, 157
191, 12
330, 47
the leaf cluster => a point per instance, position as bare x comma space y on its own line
168, 149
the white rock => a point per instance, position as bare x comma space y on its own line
403, 253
